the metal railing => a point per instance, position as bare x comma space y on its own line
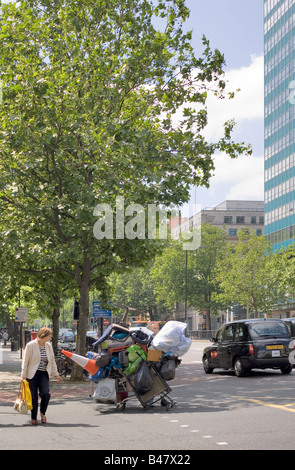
202, 334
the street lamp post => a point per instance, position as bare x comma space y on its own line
185, 297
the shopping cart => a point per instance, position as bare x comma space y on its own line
119, 387
159, 391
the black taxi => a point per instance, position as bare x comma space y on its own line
250, 344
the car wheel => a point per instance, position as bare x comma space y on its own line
240, 370
287, 370
206, 366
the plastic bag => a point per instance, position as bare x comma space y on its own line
135, 355
182, 347
20, 406
102, 373
134, 352
106, 391
167, 370
114, 362
143, 379
23, 403
132, 366
171, 338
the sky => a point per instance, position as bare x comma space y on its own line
235, 27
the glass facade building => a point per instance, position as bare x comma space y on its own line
279, 119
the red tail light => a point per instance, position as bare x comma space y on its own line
251, 349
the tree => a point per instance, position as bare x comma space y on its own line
286, 271
40, 292
134, 290
249, 274
169, 273
91, 91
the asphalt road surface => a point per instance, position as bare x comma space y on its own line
213, 412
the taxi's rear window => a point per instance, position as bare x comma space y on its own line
266, 329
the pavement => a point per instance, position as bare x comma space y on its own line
10, 368
76, 422
70, 410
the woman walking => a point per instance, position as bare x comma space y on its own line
37, 366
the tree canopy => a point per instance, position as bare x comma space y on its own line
250, 274
179, 275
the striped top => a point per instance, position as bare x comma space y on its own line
44, 360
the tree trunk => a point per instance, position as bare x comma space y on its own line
83, 279
208, 319
9, 326
151, 314
55, 322
83, 320
207, 299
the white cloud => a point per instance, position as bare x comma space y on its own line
248, 103
241, 178
233, 179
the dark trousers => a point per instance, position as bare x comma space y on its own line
40, 382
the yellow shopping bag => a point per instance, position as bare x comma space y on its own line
26, 394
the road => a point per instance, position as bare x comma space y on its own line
255, 412
214, 412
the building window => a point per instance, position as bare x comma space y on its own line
233, 232
240, 219
261, 220
228, 219
259, 232
253, 220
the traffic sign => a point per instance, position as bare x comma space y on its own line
98, 312
21, 314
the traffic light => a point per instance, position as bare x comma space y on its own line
76, 310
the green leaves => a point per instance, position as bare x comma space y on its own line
169, 272
250, 274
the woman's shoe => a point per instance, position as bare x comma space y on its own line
34, 422
43, 419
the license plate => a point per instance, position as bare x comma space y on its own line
275, 346
275, 353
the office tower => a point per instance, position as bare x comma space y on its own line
279, 139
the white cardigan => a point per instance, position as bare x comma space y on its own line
32, 359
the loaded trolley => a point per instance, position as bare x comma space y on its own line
130, 369
159, 391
